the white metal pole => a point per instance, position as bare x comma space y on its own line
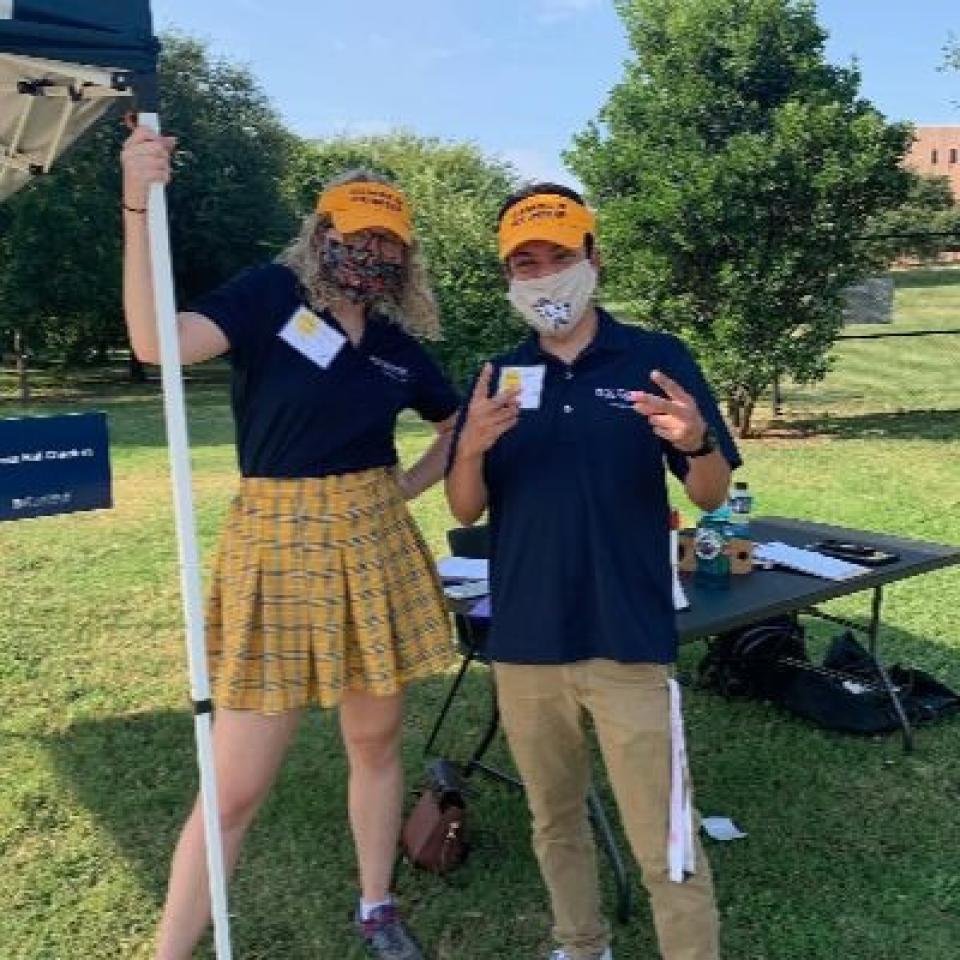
190, 582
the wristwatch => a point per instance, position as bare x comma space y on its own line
707, 445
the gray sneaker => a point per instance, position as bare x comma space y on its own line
386, 936
562, 954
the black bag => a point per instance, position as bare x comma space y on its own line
846, 693
754, 661
434, 834
851, 696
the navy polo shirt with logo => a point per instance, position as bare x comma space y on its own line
297, 419
578, 505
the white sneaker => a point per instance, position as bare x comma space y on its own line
562, 954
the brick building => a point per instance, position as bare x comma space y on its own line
936, 152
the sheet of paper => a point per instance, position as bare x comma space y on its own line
807, 561
463, 568
722, 828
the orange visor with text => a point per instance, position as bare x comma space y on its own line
545, 216
366, 205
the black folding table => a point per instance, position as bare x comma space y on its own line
749, 599
767, 593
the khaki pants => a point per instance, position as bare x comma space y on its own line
542, 707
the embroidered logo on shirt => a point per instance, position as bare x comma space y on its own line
392, 370
615, 396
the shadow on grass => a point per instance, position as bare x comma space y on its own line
918, 425
824, 814
135, 414
295, 885
138, 775
931, 277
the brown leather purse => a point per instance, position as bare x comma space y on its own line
434, 834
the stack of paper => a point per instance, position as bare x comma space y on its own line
806, 561
463, 568
467, 589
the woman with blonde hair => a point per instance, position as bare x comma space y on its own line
323, 592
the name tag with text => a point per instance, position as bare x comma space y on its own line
529, 380
313, 337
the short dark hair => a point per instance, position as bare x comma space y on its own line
532, 189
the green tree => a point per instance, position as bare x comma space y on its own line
60, 280
923, 226
60, 276
227, 205
734, 170
455, 192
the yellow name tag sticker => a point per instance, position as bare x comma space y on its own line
529, 380
313, 337
306, 322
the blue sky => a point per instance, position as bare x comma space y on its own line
517, 77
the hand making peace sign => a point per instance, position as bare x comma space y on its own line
676, 418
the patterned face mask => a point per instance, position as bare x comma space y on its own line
360, 273
555, 305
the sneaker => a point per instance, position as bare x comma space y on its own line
386, 936
562, 954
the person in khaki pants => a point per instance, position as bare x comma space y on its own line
565, 441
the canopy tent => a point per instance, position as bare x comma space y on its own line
62, 64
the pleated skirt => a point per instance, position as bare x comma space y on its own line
322, 585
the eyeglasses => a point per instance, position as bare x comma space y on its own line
382, 246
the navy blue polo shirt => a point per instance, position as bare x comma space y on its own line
578, 505
297, 419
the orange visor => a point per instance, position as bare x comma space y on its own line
364, 205
545, 216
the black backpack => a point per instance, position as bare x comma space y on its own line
769, 661
754, 661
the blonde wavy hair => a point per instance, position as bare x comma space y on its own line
415, 310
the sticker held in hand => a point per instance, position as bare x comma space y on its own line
528, 380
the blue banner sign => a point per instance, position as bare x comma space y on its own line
51, 465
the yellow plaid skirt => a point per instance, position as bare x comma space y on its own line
322, 585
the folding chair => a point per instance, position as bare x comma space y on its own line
474, 542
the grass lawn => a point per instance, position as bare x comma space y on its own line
853, 848
897, 373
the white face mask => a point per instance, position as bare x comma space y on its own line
555, 305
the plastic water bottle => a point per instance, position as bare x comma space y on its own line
711, 545
741, 506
